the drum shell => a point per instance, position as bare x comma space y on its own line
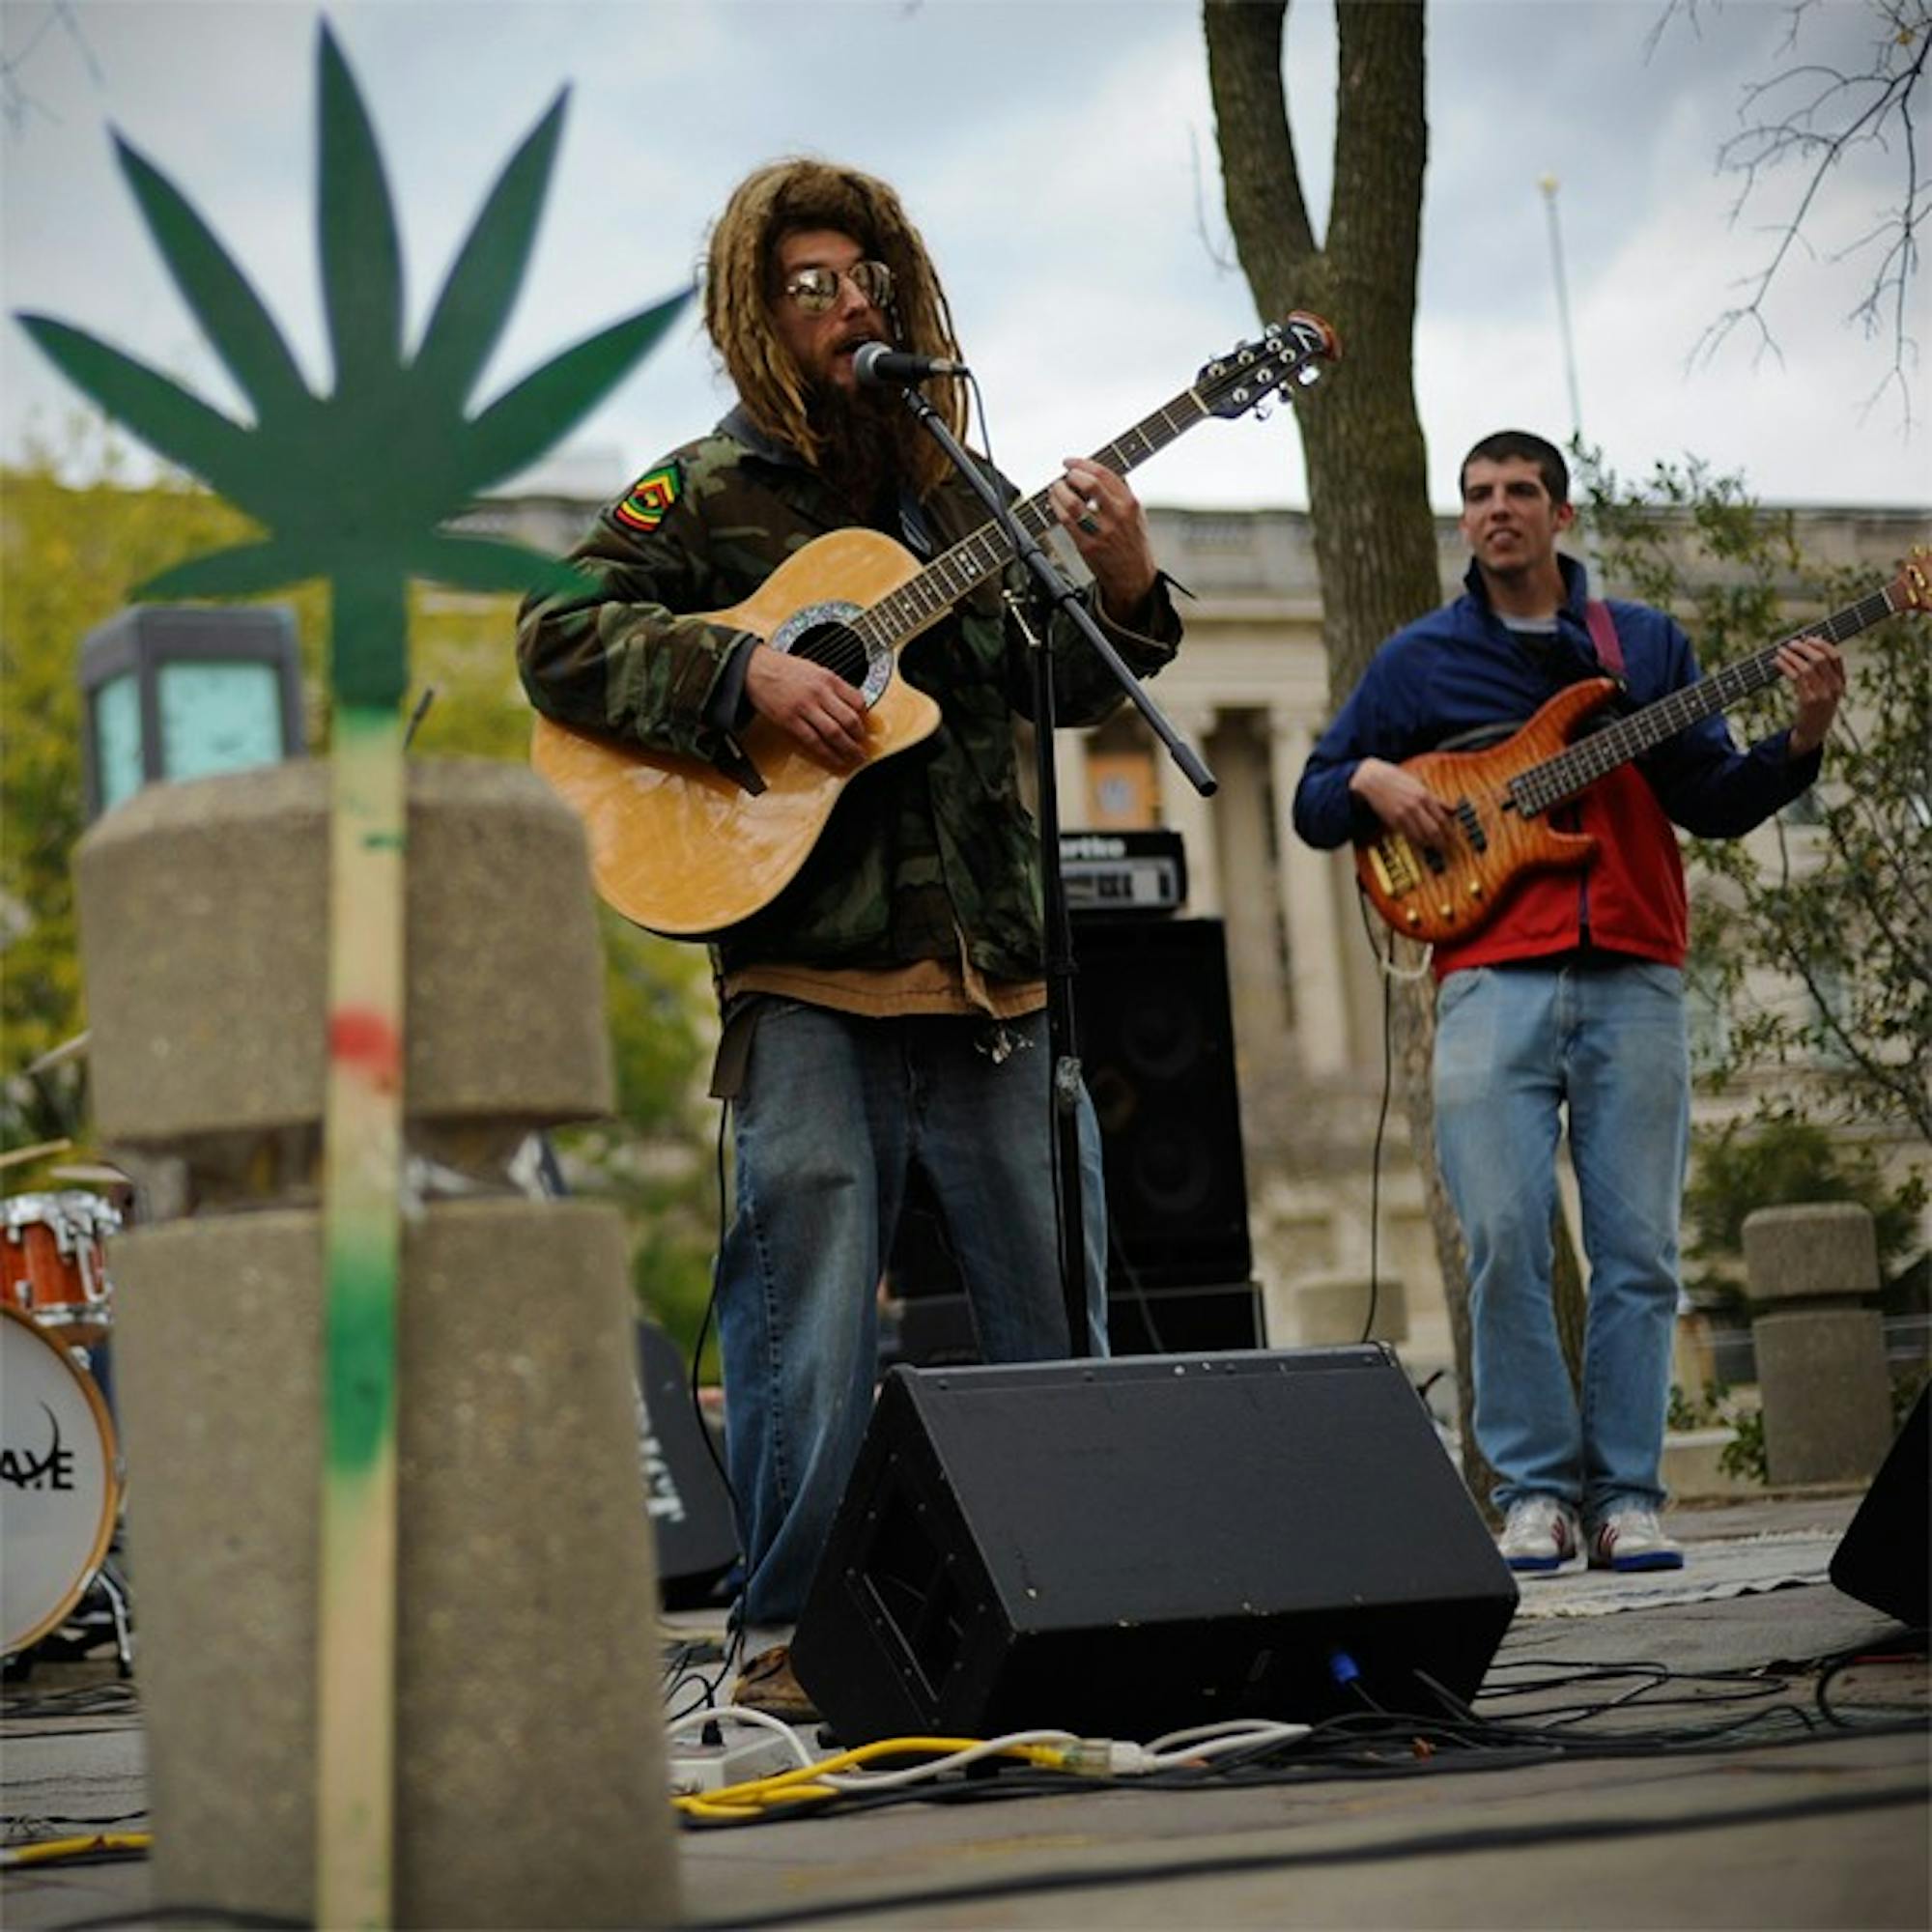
53, 1265
525, 1570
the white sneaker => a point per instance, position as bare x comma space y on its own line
1632, 1538
1541, 1534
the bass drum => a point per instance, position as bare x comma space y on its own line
60, 1484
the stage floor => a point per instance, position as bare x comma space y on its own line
1831, 1829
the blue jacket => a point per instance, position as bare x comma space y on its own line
1459, 673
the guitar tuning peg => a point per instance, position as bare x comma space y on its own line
1264, 408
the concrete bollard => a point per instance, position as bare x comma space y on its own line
1820, 1347
530, 1776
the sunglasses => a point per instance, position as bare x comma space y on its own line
816, 290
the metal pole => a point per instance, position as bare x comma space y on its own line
1548, 186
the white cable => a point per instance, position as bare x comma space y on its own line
763, 1720
1251, 1728
1204, 1753
886, 1780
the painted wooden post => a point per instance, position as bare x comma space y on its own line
362, 1177
382, 461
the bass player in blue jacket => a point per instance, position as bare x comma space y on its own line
1571, 995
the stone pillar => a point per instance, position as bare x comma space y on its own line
1069, 778
1249, 900
530, 1776
1306, 883
1331, 1309
1820, 1347
1187, 812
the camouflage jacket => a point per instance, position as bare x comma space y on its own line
928, 847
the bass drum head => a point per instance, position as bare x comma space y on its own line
58, 1487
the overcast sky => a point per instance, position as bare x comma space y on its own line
1059, 156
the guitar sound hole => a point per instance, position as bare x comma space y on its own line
837, 649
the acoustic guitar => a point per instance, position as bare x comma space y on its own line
685, 848
1500, 797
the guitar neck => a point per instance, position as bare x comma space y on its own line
1583, 763
904, 613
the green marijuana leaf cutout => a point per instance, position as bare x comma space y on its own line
354, 486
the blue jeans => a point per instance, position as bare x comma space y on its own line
834, 1112
1514, 1045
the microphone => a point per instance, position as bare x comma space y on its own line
875, 363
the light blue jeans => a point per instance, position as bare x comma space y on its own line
1515, 1047
834, 1112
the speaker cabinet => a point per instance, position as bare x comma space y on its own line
935, 1323
1157, 1048
690, 1506
1127, 1547
1884, 1556
1198, 1318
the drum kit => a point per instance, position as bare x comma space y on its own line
61, 1482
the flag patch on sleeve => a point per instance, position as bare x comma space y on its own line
648, 498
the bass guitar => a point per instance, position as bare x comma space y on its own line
685, 848
1500, 797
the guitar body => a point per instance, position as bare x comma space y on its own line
680, 847
1449, 894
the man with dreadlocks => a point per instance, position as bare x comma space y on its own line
886, 1011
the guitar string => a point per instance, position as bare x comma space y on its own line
904, 612
1547, 784
1570, 771
950, 577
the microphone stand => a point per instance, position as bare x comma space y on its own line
1062, 1030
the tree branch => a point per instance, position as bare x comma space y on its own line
1832, 112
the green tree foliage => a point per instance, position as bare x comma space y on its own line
70, 557
1746, 1165
1814, 938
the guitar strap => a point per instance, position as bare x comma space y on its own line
1604, 635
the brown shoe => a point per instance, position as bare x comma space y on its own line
768, 1684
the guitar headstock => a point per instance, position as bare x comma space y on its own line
1912, 589
1289, 355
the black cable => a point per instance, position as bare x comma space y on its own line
1851, 1661
1382, 1124
185, 1914
704, 1330
1495, 1837
417, 716
734, 1643
66, 1818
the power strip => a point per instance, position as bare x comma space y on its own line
746, 1751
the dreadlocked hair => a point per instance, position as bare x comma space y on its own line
797, 193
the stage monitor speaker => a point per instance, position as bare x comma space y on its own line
1157, 1049
690, 1506
1129, 1547
1884, 1558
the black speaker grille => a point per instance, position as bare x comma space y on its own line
1157, 1048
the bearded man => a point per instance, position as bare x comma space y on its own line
886, 1010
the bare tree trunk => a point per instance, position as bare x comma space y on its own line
1375, 535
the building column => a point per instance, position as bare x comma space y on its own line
1069, 771
1184, 811
1249, 895
1306, 882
